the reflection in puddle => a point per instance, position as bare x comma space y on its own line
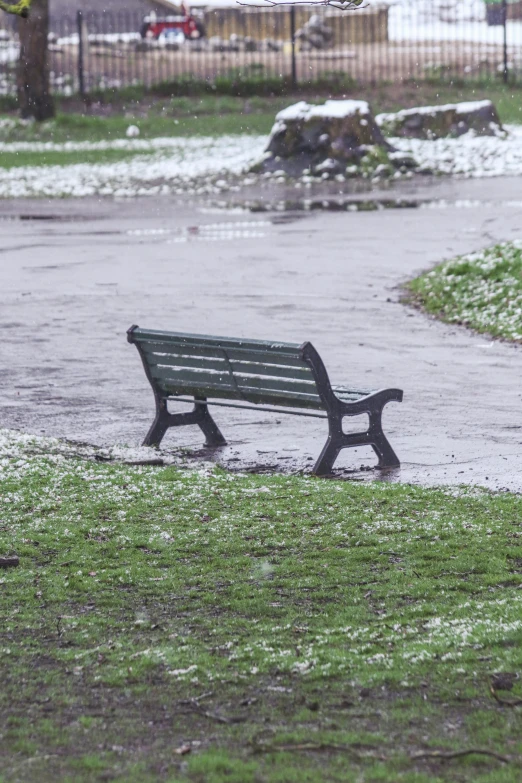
331, 205
363, 205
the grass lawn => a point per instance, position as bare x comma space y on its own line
481, 290
218, 115
201, 626
214, 117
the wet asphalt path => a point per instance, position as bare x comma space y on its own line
70, 288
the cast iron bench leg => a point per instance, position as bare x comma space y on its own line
380, 443
327, 457
199, 415
159, 426
374, 437
211, 431
335, 443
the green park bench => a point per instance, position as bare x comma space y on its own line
258, 374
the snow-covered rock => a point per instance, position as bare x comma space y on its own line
449, 120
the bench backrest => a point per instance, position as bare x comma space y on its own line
254, 371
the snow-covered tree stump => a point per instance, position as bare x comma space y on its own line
435, 122
334, 138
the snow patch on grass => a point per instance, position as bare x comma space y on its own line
469, 155
207, 164
482, 290
188, 162
16, 446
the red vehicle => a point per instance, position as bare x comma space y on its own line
190, 25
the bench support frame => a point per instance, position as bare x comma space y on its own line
198, 415
336, 410
163, 420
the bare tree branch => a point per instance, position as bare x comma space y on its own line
457, 754
342, 5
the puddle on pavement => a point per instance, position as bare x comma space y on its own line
47, 217
209, 232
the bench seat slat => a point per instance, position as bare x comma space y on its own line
254, 396
289, 399
206, 379
302, 373
251, 394
200, 362
200, 379
179, 389
234, 354
275, 384
168, 349
209, 379
265, 357
206, 363
180, 338
281, 397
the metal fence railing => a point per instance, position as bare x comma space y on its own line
405, 39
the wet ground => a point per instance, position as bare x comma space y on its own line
74, 275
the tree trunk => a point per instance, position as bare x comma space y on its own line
34, 98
